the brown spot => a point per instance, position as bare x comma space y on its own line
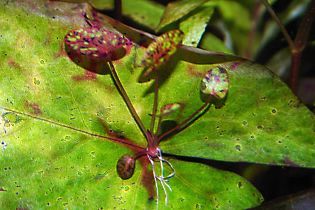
35, 108
88, 75
192, 72
14, 64
2, 190
287, 161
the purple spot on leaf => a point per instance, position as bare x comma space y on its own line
234, 65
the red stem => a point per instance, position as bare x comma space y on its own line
252, 33
114, 139
118, 9
183, 124
155, 104
300, 42
281, 26
124, 95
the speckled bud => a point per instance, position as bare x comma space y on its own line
215, 83
125, 167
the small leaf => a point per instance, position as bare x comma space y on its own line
178, 9
194, 26
215, 83
169, 108
162, 48
92, 47
160, 51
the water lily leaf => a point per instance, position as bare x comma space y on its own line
58, 148
71, 170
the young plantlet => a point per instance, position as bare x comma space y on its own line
157, 53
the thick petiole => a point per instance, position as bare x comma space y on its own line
155, 104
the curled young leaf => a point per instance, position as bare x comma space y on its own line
92, 47
125, 167
169, 108
215, 83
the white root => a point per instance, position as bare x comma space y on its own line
161, 178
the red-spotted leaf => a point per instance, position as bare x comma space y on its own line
91, 48
160, 51
214, 85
